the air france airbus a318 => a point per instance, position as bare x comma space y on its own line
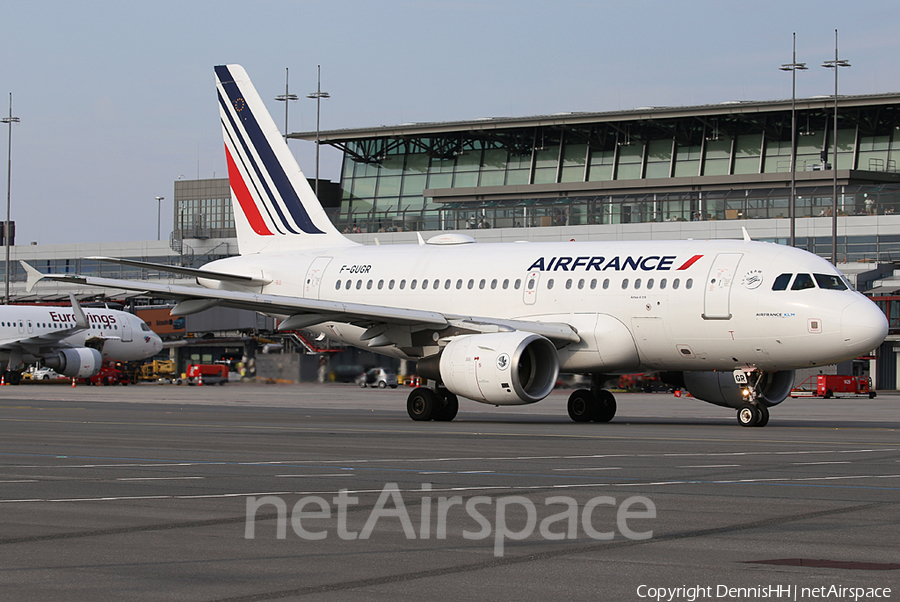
730, 320
71, 340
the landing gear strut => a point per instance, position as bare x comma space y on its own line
753, 413
596, 404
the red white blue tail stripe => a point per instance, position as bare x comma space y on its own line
268, 188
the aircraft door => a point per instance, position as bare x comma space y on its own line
21, 327
314, 277
717, 294
126, 331
531, 286
652, 341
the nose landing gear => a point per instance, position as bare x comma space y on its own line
752, 413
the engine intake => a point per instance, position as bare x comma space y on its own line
720, 389
508, 368
79, 362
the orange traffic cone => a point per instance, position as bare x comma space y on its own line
73, 383
200, 381
2, 379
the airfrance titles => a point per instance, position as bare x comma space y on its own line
601, 264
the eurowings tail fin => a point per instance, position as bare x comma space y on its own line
275, 209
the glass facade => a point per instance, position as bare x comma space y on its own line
384, 179
203, 209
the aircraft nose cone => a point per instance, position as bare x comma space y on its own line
863, 326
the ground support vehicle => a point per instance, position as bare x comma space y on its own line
828, 386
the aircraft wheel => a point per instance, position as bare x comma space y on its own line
382, 384
582, 405
763, 415
422, 404
748, 415
451, 406
606, 407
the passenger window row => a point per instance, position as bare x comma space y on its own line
635, 284
425, 284
447, 284
58, 325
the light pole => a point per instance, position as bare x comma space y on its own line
287, 96
318, 95
8, 120
793, 67
835, 64
159, 201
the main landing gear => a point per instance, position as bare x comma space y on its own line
12, 377
426, 404
753, 414
596, 404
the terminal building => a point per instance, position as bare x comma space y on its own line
648, 173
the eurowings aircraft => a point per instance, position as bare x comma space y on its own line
729, 320
71, 340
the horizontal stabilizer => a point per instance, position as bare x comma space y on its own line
192, 272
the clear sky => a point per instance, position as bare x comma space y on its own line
117, 99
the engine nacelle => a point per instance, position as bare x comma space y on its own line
507, 368
720, 389
79, 362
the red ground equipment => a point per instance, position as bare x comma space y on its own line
212, 374
834, 385
111, 373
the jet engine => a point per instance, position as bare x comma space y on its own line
720, 389
78, 362
507, 368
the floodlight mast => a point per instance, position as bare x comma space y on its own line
287, 96
835, 64
318, 95
9, 121
793, 67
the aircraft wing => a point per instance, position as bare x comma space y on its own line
304, 312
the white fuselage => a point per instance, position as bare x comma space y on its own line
125, 337
648, 305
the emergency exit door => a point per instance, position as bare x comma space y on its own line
717, 294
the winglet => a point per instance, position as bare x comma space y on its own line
80, 319
746, 234
421, 240
34, 276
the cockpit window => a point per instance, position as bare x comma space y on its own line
830, 281
781, 283
144, 327
802, 281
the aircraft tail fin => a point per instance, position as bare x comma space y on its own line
275, 209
